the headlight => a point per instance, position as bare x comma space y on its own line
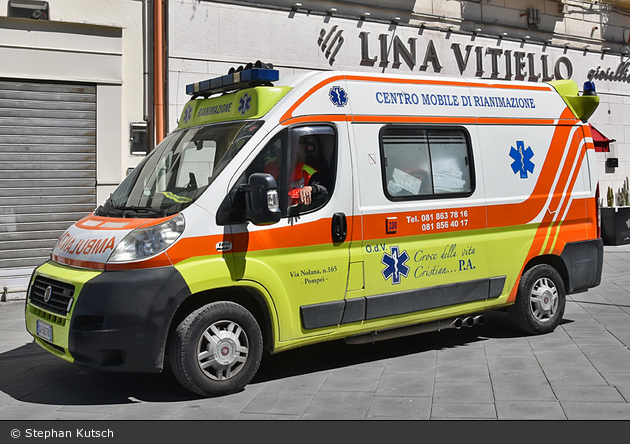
143, 243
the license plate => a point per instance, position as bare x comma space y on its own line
44, 330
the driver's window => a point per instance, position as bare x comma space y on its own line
271, 160
302, 160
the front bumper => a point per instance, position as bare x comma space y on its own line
119, 320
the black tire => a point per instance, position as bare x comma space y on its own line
540, 301
226, 339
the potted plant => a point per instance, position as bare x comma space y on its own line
615, 218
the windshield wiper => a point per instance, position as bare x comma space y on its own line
133, 208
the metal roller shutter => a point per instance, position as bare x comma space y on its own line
47, 170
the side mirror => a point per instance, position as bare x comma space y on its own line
262, 205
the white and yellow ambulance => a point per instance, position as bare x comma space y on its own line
328, 205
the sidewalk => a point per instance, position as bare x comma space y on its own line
581, 371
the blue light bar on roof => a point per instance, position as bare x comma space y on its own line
247, 78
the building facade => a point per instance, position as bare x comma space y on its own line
71, 83
77, 80
515, 41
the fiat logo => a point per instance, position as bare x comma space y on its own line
47, 293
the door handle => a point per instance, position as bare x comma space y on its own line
339, 227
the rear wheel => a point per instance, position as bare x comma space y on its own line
540, 300
216, 349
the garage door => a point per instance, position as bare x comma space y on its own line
47, 171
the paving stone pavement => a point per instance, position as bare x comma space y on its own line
581, 371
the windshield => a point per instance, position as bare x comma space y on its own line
178, 171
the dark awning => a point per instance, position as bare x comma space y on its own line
601, 142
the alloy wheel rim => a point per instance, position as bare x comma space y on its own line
544, 299
222, 350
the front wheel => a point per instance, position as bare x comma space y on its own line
216, 349
540, 301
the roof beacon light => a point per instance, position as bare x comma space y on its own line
249, 76
589, 89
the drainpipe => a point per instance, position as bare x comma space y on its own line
158, 70
147, 107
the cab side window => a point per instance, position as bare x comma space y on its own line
302, 160
422, 163
271, 160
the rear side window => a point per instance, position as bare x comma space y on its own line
424, 163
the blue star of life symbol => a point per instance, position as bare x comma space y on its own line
187, 113
395, 265
338, 96
522, 159
244, 104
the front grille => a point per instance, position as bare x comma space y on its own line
50, 318
60, 300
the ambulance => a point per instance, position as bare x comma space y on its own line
284, 212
